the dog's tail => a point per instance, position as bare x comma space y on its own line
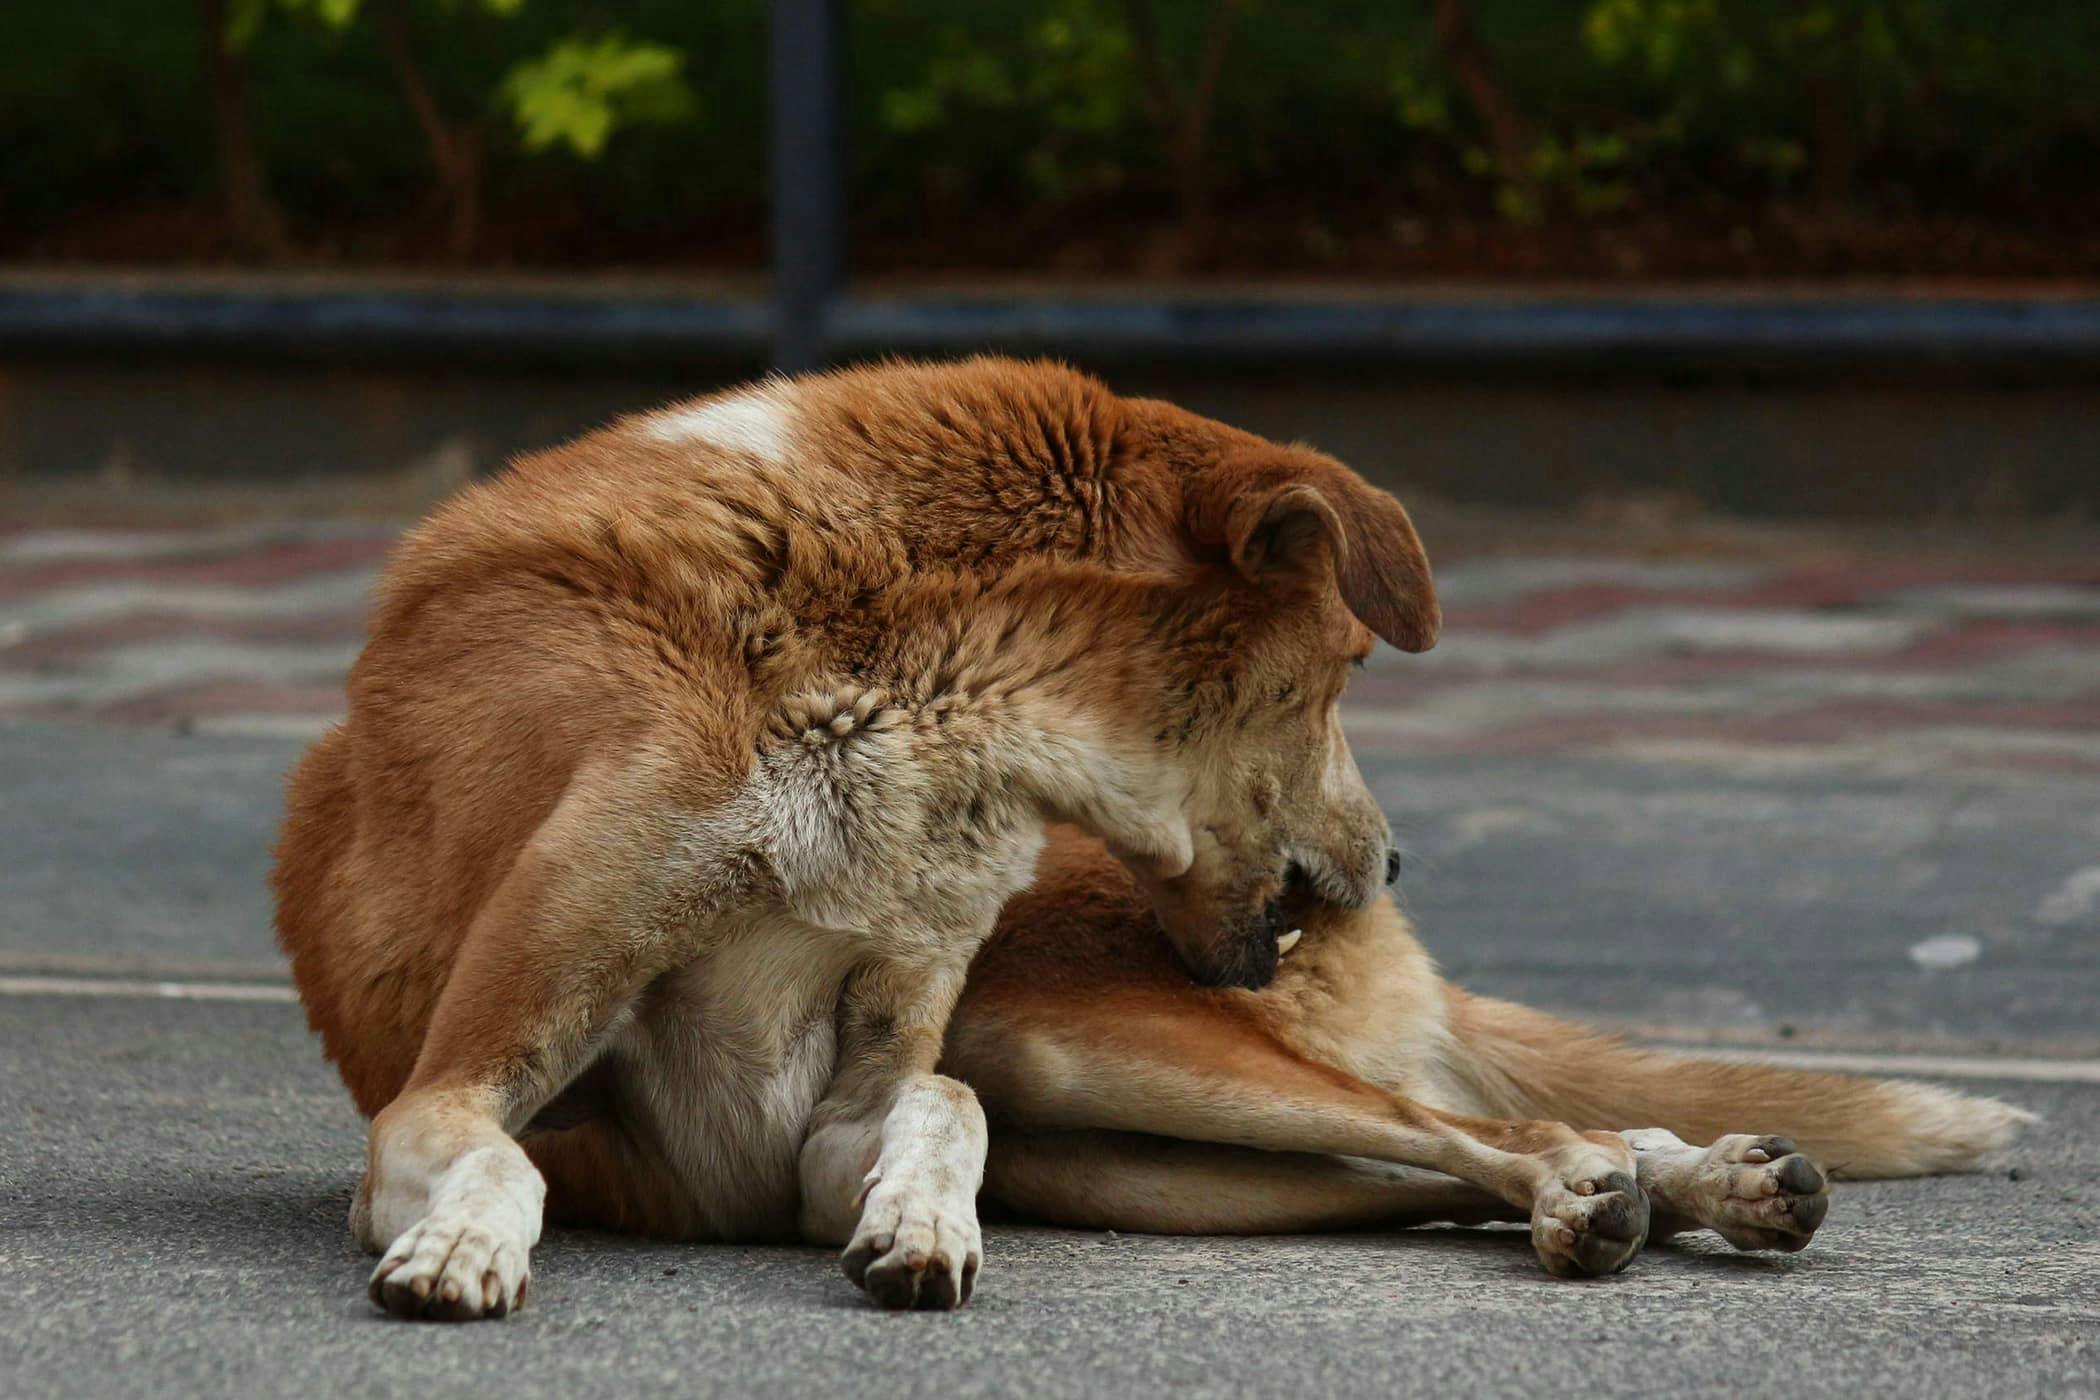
1522, 1063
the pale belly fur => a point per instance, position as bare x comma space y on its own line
727, 1062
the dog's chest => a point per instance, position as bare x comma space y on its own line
910, 839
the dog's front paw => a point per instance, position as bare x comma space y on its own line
1759, 1192
915, 1250
1589, 1220
452, 1268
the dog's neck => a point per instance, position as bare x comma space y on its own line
1047, 688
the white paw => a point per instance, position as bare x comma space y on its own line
916, 1249
453, 1268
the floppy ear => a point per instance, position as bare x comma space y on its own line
1293, 508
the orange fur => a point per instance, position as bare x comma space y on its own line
1075, 1024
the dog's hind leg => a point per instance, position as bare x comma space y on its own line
1741, 1149
551, 964
1177, 1063
1168, 1186
1128, 1181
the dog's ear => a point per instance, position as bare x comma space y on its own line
1290, 508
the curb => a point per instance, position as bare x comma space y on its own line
1794, 334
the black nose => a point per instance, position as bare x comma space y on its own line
1392, 866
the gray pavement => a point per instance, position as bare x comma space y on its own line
174, 1174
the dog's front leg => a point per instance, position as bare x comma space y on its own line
895, 1153
553, 961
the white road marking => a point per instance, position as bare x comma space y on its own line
338, 590
2028, 1069
265, 724
2032, 1071
2078, 897
1946, 951
1484, 581
140, 669
34, 986
131, 546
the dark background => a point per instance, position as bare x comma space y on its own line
1615, 140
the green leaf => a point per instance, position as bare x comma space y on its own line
581, 91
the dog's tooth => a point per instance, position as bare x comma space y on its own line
1287, 941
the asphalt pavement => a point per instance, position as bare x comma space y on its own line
1798, 794
175, 1170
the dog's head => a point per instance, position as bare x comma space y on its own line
1293, 564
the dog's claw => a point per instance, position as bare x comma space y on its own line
449, 1271
907, 1256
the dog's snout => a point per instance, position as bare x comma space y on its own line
1392, 866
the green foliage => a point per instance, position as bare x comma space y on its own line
244, 18
1781, 87
1059, 92
1347, 111
581, 90
575, 94
1422, 98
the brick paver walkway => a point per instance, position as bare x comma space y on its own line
1899, 663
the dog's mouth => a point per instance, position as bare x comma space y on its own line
1284, 917
1249, 956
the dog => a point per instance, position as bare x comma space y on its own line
688, 766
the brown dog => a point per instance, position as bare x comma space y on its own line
689, 764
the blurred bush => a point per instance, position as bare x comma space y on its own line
1526, 137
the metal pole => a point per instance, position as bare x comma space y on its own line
808, 177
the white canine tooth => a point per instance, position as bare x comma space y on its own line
1287, 941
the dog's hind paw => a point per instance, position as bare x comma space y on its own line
1590, 1220
1756, 1192
1763, 1193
